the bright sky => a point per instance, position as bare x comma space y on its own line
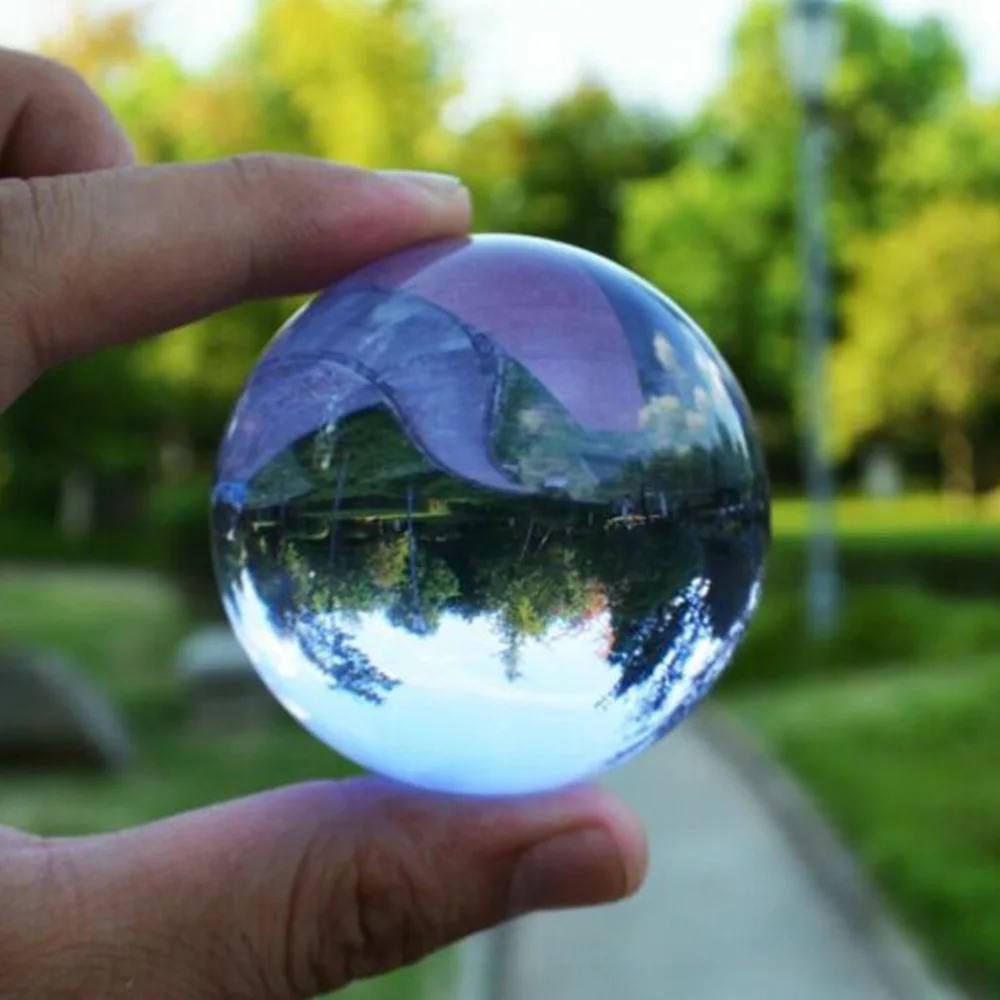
671, 52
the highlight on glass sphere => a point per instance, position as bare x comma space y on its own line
490, 515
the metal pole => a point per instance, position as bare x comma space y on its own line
822, 560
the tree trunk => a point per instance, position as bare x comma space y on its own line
77, 498
957, 459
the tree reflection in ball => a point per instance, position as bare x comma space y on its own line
490, 515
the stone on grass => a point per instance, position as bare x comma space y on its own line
52, 719
220, 680
881, 474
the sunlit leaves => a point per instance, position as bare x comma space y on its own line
923, 325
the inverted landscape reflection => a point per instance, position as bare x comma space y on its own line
490, 516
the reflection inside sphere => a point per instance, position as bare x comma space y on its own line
490, 516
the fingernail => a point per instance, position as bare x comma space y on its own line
444, 186
584, 868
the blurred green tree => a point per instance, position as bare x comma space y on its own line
559, 172
719, 233
922, 342
952, 155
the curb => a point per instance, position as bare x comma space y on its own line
829, 861
484, 963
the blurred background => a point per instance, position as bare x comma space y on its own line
670, 140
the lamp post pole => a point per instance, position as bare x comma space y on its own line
812, 43
817, 328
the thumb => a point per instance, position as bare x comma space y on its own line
298, 892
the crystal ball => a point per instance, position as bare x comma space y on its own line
490, 515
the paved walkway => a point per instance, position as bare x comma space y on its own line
732, 910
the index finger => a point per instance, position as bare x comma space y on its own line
94, 259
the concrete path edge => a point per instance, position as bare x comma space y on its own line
828, 859
907, 973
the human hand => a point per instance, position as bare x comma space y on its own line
298, 891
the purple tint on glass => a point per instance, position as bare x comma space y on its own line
280, 405
542, 309
540, 305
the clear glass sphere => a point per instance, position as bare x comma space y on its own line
490, 515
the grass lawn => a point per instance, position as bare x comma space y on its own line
907, 762
123, 629
922, 521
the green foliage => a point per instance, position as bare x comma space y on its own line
892, 77
559, 173
881, 625
953, 156
348, 80
923, 330
719, 232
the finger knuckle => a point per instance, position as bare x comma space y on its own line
40, 72
26, 212
390, 920
252, 181
383, 918
22, 344
250, 173
60, 77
